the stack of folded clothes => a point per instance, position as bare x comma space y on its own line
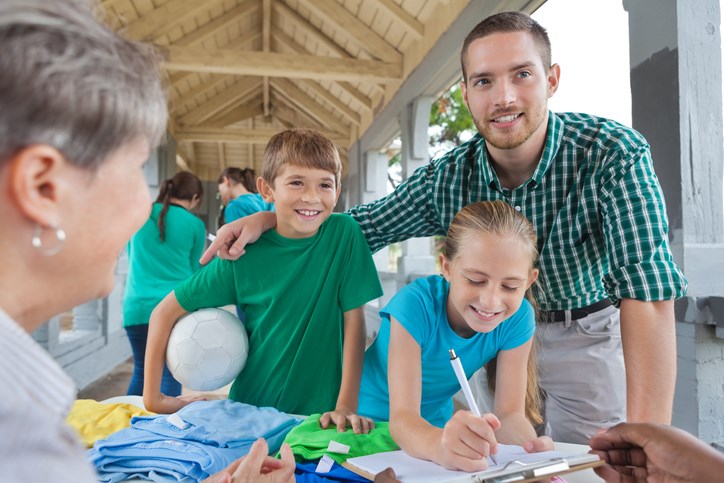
189, 445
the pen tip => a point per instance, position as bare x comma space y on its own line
452, 354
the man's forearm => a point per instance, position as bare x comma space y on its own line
648, 334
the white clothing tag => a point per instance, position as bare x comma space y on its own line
324, 465
335, 447
176, 420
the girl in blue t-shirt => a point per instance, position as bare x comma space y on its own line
477, 308
239, 195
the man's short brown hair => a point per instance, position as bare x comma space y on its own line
508, 22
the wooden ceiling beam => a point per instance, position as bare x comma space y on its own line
243, 136
242, 112
356, 31
302, 100
237, 43
162, 20
408, 22
338, 105
293, 117
289, 43
272, 64
266, 47
218, 24
189, 96
321, 38
219, 103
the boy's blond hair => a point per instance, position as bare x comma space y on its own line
300, 147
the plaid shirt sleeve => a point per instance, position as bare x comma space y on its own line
636, 232
408, 212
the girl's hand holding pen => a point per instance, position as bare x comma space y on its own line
467, 440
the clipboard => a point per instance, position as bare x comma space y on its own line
515, 470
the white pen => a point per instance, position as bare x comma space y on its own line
460, 374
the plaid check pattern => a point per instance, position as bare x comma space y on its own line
594, 200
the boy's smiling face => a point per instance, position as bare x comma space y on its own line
303, 198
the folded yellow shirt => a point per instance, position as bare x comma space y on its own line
93, 420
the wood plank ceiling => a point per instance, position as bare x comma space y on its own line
241, 70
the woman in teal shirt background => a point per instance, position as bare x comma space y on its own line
163, 253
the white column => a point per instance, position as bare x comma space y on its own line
417, 257
676, 94
374, 187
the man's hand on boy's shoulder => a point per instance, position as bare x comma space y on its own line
233, 237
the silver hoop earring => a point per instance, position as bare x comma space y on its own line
37, 240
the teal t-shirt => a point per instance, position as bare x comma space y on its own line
294, 293
245, 205
155, 267
420, 307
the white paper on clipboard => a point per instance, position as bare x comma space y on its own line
513, 461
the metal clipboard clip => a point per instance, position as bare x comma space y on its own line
516, 470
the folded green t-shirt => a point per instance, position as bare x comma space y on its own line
309, 441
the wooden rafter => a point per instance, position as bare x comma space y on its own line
241, 112
257, 136
408, 22
327, 43
219, 103
288, 43
303, 101
360, 34
272, 64
218, 24
266, 46
165, 18
238, 43
293, 117
327, 96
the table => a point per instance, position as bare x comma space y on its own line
585, 476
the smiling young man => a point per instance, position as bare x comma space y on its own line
588, 185
607, 275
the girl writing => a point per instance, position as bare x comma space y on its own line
478, 309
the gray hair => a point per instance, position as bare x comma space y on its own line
68, 81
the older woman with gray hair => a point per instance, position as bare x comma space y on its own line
81, 109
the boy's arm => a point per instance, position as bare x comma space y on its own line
163, 318
355, 334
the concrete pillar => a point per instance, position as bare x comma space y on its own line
676, 88
417, 255
374, 187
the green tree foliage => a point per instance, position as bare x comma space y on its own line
451, 117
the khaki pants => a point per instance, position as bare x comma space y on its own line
582, 374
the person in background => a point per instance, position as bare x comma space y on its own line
239, 195
81, 110
162, 254
646, 452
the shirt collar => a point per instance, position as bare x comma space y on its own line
554, 135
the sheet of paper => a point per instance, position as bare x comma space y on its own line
413, 470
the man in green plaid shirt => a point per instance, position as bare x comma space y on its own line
589, 187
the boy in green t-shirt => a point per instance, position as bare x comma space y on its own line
302, 287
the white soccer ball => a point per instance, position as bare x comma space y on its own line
207, 349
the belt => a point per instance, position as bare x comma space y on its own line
573, 314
